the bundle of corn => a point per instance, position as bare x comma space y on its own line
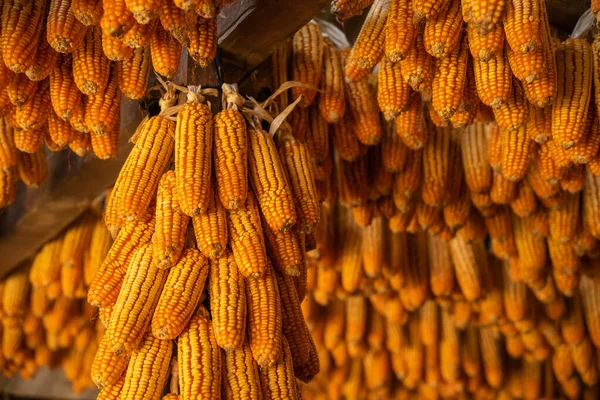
46, 321
250, 215
64, 65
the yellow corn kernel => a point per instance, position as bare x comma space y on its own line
363, 106
137, 298
148, 368
106, 146
165, 51
246, 236
264, 318
171, 223
116, 19
231, 152
417, 67
270, 183
139, 177
115, 49
203, 41
133, 73
180, 295
228, 302
449, 80
241, 375
485, 47
90, 67
442, 31
493, 80
32, 168
522, 25
22, 24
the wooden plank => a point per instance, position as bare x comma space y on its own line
250, 30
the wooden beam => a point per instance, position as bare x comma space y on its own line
250, 30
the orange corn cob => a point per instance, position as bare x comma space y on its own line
32, 168
64, 95
493, 80
180, 295
491, 355
418, 66
139, 178
133, 73
277, 380
570, 108
211, 228
486, 14
539, 126
88, 12
563, 219
525, 202
152, 359
137, 298
440, 265
369, 46
393, 94
410, 125
573, 179
344, 9
228, 302
139, 35
81, 144
414, 291
115, 49
467, 111
165, 51
106, 146
264, 318
295, 158
241, 375
317, 137
28, 141
44, 62
332, 103
307, 61
284, 250
34, 113
465, 267
171, 223
437, 153
143, 11
442, 31
176, 21
22, 23
231, 152
269, 182
514, 112
474, 143
399, 30
103, 291
426, 10
393, 151
449, 80
591, 197
364, 109
503, 191
543, 90
107, 368
527, 67
116, 20
523, 26
485, 47
246, 238
90, 67
64, 32
21, 89
516, 153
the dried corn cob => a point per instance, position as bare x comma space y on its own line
44, 62
116, 19
90, 67
332, 104
133, 73
264, 318
399, 30
88, 12
165, 51
115, 49
418, 66
317, 137
21, 89
486, 14
28, 141
449, 80
437, 153
34, 113
516, 153
344, 9
493, 80
269, 182
410, 125
22, 23
369, 46
180, 295
485, 47
81, 143
138, 296
64, 95
64, 32
32, 168
139, 35
393, 94
108, 368
151, 360
442, 31
171, 223
277, 380
570, 108
203, 41
106, 146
